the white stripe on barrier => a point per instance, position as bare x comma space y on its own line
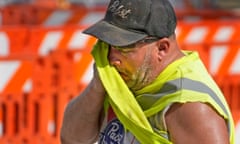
91, 18
50, 42
78, 40
1, 129
4, 41
217, 54
237, 133
7, 70
235, 67
27, 87
88, 74
223, 34
196, 35
51, 127
58, 18
77, 56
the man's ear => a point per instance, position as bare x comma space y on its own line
163, 46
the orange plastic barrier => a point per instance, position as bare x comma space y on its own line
36, 116
217, 43
16, 15
39, 14
13, 40
51, 13
230, 85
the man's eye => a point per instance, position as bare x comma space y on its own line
126, 47
125, 50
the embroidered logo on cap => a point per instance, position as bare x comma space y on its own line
118, 9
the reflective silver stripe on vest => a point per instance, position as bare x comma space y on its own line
178, 84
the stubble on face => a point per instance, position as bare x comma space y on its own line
143, 75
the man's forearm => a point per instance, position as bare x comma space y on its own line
81, 122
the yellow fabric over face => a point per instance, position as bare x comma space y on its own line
122, 100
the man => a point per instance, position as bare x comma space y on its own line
145, 89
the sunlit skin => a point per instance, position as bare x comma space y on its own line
135, 65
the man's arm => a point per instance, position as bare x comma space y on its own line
196, 123
83, 115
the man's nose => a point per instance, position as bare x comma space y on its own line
114, 57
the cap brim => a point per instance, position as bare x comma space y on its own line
113, 35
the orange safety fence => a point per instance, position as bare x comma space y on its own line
32, 15
19, 49
42, 68
230, 85
47, 13
34, 115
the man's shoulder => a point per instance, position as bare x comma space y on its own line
195, 120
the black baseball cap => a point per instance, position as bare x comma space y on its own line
129, 21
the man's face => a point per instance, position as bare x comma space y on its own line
135, 64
